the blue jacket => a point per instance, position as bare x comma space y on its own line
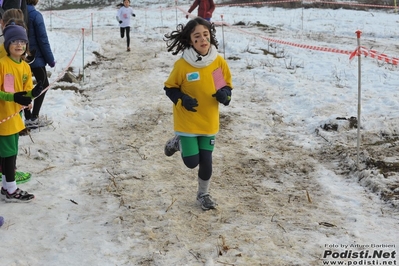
38, 39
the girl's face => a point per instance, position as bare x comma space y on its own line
17, 49
200, 39
126, 3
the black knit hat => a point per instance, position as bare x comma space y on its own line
12, 33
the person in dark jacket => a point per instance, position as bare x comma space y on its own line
205, 8
39, 42
18, 4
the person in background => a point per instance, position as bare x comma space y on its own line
16, 82
16, 16
205, 8
39, 42
14, 4
198, 82
123, 17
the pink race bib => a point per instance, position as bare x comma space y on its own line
9, 83
218, 79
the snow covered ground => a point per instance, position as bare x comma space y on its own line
287, 179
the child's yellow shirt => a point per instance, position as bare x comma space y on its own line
14, 77
197, 83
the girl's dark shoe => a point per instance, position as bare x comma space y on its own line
19, 196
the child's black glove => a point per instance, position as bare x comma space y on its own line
223, 95
120, 21
37, 90
189, 103
30, 58
21, 99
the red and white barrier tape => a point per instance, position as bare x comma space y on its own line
366, 52
308, 2
374, 54
259, 3
363, 50
351, 4
305, 46
56, 14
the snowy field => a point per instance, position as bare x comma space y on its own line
292, 184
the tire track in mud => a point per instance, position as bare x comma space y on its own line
378, 167
254, 188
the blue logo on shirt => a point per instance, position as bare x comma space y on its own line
193, 76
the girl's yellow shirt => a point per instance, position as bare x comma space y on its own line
21, 75
3, 51
197, 83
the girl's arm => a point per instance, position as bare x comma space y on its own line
18, 97
42, 40
227, 74
174, 94
211, 6
193, 6
6, 96
118, 15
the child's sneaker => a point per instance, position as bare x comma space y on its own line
24, 132
19, 196
20, 177
206, 201
32, 124
172, 146
3, 193
30, 57
37, 122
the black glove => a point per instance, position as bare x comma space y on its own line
223, 95
30, 56
120, 21
133, 15
21, 99
189, 103
37, 90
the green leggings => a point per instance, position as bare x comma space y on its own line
198, 151
191, 145
9, 145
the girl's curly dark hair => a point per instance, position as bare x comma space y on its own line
179, 39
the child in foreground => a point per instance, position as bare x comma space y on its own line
16, 91
15, 16
199, 81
